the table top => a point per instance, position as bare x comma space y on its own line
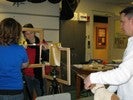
88, 68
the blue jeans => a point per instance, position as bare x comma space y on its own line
12, 97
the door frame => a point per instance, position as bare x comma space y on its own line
111, 29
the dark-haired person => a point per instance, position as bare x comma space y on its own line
121, 78
13, 58
33, 76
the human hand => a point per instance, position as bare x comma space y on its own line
87, 83
92, 86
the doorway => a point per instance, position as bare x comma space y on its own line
100, 39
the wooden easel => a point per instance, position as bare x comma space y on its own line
40, 64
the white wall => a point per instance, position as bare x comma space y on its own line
41, 15
46, 15
98, 8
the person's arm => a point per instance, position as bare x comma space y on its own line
45, 46
112, 88
113, 77
116, 76
25, 59
24, 65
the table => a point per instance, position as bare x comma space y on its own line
81, 74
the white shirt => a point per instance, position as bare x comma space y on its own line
121, 78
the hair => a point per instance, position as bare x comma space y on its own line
29, 25
10, 31
128, 11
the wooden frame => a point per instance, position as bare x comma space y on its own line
62, 49
40, 31
100, 38
68, 65
68, 80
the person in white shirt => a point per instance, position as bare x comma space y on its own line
121, 78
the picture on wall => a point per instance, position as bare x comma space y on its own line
100, 38
120, 41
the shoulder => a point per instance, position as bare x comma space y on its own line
18, 47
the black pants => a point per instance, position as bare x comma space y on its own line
38, 75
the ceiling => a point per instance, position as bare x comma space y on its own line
67, 5
104, 1
117, 2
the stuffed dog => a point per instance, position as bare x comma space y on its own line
101, 93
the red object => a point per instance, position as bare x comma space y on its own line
48, 69
105, 62
31, 55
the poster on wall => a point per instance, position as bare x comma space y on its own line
120, 41
100, 38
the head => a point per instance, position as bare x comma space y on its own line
10, 31
29, 35
127, 20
